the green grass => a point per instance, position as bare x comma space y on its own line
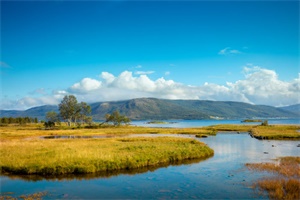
76, 156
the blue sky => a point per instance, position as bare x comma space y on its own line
114, 50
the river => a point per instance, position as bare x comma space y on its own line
221, 176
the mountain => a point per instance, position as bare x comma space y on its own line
293, 108
148, 108
39, 112
151, 108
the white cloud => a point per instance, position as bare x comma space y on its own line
228, 51
144, 72
259, 86
85, 85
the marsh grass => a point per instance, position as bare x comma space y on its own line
231, 127
280, 188
276, 132
287, 183
35, 196
79, 156
17, 132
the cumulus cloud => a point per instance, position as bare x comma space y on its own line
259, 86
228, 51
85, 85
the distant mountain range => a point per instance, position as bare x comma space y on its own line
151, 108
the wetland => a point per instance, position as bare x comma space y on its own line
223, 175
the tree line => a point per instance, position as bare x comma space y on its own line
18, 120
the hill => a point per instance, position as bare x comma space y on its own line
151, 108
293, 108
39, 112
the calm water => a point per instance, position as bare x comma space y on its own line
221, 176
200, 123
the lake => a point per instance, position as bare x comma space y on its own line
221, 176
200, 123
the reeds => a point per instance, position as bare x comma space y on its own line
35, 196
287, 184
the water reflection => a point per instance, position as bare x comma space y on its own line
106, 174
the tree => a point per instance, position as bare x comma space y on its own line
116, 118
68, 108
52, 116
71, 111
84, 111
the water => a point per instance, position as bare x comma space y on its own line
201, 123
219, 177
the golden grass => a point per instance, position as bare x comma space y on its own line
287, 184
280, 188
287, 166
65, 156
276, 132
231, 127
35, 196
17, 132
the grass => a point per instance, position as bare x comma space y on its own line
35, 196
24, 152
231, 127
276, 132
252, 120
78, 156
287, 183
35, 130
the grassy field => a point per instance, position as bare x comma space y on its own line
35, 130
287, 183
23, 152
276, 132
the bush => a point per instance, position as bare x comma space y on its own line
49, 125
265, 123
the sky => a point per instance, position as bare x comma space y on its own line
246, 51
